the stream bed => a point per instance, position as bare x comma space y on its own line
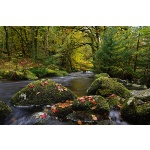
77, 82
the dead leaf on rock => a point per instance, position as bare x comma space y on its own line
94, 117
79, 122
94, 107
37, 93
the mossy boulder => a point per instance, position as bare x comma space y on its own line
115, 101
61, 110
5, 110
95, 104
105, 86
42, 92
101, 75
136, 111
93, 108
84, 117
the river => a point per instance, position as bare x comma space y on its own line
77, 82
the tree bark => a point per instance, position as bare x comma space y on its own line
136, 56
7, 42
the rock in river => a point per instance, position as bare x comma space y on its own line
136, 111
5, 110
105, 86
42, 92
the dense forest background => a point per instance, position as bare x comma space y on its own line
120, 51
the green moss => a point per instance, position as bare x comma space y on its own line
135, 113
5, 110
42, 92
61, 110
113, 102
101, 75
29, 75
105, 86
95, 104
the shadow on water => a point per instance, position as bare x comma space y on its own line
77, 82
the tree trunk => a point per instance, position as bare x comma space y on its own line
136, 56
33, 43
7, 42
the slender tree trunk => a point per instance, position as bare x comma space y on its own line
7, 42
33, 43
136, 56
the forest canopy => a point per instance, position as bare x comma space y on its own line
120, 51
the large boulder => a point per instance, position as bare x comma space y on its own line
5, 110
85, 109
136, 111
42, 92
105, 86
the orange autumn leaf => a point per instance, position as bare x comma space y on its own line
79, 122
42, 84
31, 85
94, 117
94, 102
94, 107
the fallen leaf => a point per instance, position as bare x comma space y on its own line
94, 117
94, 102
119, 106
112, 95
31, 85
37, 93
42, 84
46, 82
43, 116
79, 122
94, 107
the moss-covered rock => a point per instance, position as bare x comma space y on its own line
5, 110
101, 75
29, 75
105, 86
95, 104
42, 92
88, 105
61, 110
84, 117
115, 101
136, 111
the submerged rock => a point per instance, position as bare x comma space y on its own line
42, 92
105, 86
5, 110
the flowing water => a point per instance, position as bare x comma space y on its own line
77, 82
